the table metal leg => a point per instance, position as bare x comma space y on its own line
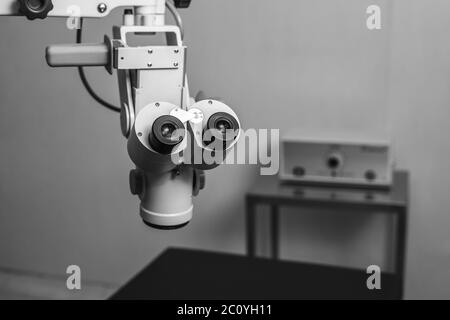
401, 249
274, 231
251, 226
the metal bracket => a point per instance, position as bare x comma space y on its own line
155, 57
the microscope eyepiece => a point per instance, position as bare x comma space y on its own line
166, 133
221, 124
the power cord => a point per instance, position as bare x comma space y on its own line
176, 16
82, 74
85, 81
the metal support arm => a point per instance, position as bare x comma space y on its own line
82, 8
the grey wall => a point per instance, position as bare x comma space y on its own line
419, 106
311, 64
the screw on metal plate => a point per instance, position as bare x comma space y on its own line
150, 51
175, 64
102, 7
149, 65
176, 50
157, 104
210, 102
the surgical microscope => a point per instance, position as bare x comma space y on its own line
172, 138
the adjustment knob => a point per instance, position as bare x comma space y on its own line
35, 9
335, 161
202, 178
370, 175
136, 182
182, 3
199, 182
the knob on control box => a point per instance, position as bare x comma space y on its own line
336, 161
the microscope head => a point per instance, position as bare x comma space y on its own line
164, 143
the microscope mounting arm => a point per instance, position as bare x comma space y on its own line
87, 8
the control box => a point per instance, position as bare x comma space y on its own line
336, 161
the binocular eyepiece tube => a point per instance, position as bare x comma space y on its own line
167, 132
222, 127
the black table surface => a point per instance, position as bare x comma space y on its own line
191, 274
270, 189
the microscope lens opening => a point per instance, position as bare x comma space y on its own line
222, 126
167, 132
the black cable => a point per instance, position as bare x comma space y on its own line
85, 81
176, 16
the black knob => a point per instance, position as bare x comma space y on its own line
298, 171
370, 175
182, 3
334, 161
35, 9
202, 177
199, 181
136, 182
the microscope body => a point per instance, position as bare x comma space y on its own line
152, 83
169, 134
